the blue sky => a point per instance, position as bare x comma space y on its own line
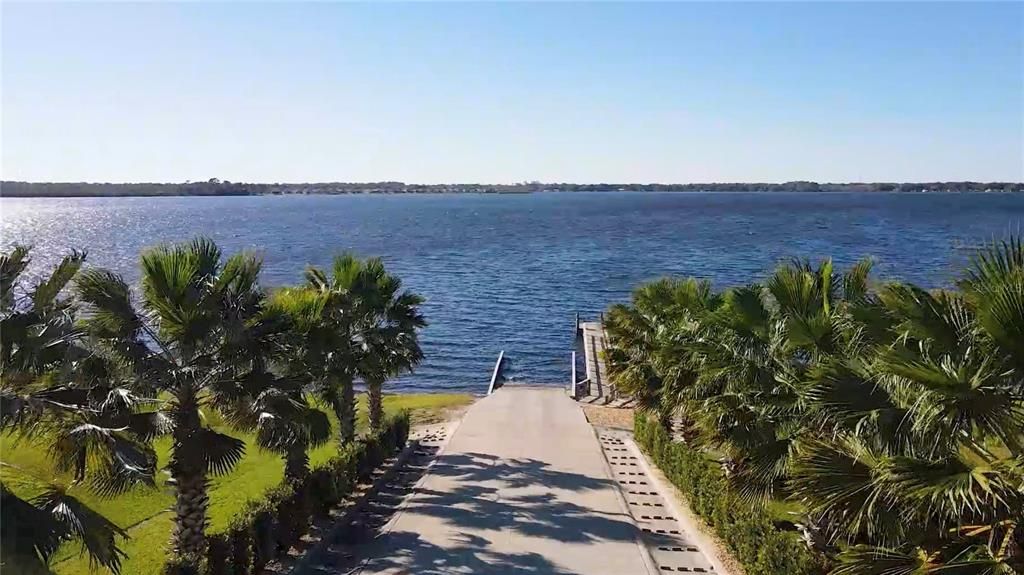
690, 92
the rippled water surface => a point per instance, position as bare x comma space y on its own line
509, 272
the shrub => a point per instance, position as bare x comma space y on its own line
182, 565
747, 532
263, 544
331, 481
218, 547
241, 547
264, 530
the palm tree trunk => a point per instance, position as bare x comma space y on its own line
1015, 549
339, 412
347, 417
188, 470
375, 403
296, 464
665, 419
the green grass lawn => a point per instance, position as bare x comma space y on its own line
145, 512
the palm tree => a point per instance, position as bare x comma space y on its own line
97, 434
956, 464
197, 336
37, 327
339, 342
267, 399
388, 326
650, 360
277, 410
338, 315
894, 416
357, 323
324, 348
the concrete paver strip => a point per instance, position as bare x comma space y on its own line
673, 540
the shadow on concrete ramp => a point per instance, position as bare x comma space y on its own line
410, 553
488, 499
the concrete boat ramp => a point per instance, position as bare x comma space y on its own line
522, 484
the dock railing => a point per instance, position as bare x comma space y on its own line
591, 383
496, 373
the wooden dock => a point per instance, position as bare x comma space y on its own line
592, 333
596, 387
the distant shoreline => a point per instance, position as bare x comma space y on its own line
216, 187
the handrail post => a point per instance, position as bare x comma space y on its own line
497, 370
572, 380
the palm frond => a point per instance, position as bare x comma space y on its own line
116, 461
174, 281
221, 452
28, 534
955, 488
842, 397
1001, 316
856, 280
799, 289
837, 480
745, 311
317, 279
206, 255
993, 265
110, 312
97, 534
12, 264
148, 425
238, 281
871, 560
46, 291
955, 395
346, 272
942, 320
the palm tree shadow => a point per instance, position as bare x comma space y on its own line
408, 552
487, 497
513, 473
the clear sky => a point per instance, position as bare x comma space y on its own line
500, 93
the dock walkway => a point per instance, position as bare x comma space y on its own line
597, 387
593, 352
523, 485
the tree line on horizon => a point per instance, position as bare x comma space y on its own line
888, 419
96, 369
216, 187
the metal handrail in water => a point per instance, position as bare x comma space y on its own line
497, 371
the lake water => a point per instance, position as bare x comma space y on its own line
509, 272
